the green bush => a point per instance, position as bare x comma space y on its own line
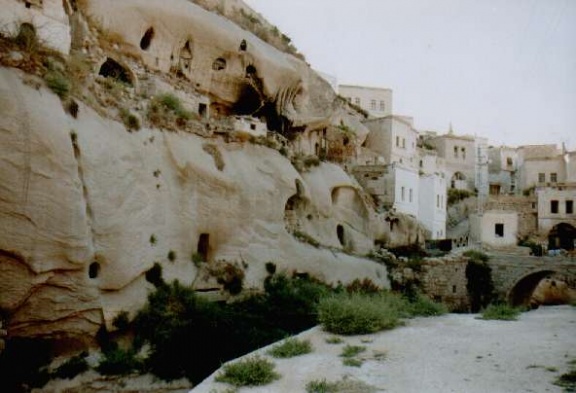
121, 321
291, 347
72, 367
476, 256
130, 120
501, 312
455, 195
365, 286
350, 314
334, 340
352, 362
567, 381
171, 255
118, 361
423, 306
166, 108
253, 371
342, 386
58, 83
350, 351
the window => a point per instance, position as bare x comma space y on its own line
455, 151
569, 207
499, 230
553, 177
402, 193
373, 105
382, 106
357, 101
509, 161
463, 153
403, 143
410, 195
438, 201
553, 206
147, 39
541, 178
219, 64
421, 163
397, 141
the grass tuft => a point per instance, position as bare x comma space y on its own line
252, 371
291, 347
501, 312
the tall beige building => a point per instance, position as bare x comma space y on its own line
377, 101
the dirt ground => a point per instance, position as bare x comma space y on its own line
451, 353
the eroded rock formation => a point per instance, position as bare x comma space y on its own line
87, 207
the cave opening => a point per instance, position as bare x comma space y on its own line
112, 69
147, 39
94, 270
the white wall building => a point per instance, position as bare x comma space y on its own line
394, 138
494, 228
376, 101
432, 204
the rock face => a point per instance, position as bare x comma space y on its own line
87, 208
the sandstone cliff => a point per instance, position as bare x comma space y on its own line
88, 207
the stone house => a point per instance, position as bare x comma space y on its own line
376, 101
459, 153
556, 215
494, 228
395, 138
503, 170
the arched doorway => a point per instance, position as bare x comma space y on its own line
562, 236
458, 181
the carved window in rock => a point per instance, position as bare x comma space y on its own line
185, 61
243, 45
34, 3
499, 230
203, 246
340, 234
147, 39
219, 64
250, 71
94, 270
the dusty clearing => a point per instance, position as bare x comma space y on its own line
452, 353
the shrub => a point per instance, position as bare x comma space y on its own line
171, 255
350, 351
130, 120
352, 362
350, 314
334, 340
423, 306
253, 371
476, 256
26, 38
58, 83
121, 321
366, 286
567, 381
291, 347
306, 238
455, 195
118, 361
501, 312
343, 386
229, 275
154, 275
72, 367
166, 108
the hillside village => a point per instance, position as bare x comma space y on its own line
188, 142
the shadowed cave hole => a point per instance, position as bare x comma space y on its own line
112, 69
147, 39
94, 270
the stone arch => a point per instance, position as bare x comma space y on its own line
562, 236
146, 39
456, 178
522, 290
348, 197
112, 69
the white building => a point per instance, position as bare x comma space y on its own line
494, 228
432, 204
394, 138
376, 101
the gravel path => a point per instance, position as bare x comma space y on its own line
452, 353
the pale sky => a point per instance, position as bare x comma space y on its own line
503, 69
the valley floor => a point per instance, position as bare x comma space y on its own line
451, 353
